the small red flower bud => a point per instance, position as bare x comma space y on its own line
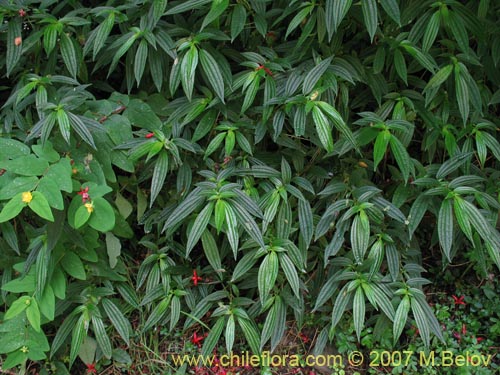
17, 41
150, 135
195, 278
22, 12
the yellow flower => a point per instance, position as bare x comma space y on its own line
90, 207
27, 197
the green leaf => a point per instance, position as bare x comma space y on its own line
238, 20
220, 214
438, 78
101, 336
400, 64
338, 122
360, 236
211, 251
335, 11
299, 17
141, 56
400, 318
431, 31
78, 335
13, 52
457, 27
187, 6
401, 156
251, 334
199, 228
315, 75
323, 128
462, 217
12, 208
113, 249
188, 70
117, 318
82, 215
40, 206
343, 298
392, 9
159, 174
229, 334
215, 143
213, 337
358, 311
462, 93
28, 165
380, 147
445, 227
17, 307
103, 216
290, 273
64, 124
102, 33
73, 265
232, 229
452, 164
68, 54
122, 50
266, 278
269, 325
370, 15
218, 7
33, 315
211, 69
421, 320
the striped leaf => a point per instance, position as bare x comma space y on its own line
445, 227
306, 221
141, 56
238, 20
335, 11
370, 16
358, 311
392, 9
323, 128
213, 337
314, 75
214, 76
229, 333
188, 70
290, 273
402, 158
159, 174
101, 336
266, 278
199, 228
232, 229
400, 318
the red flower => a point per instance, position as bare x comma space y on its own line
458, 300
91, 368
150, 135
479, 339
304, 338
85, 194
196, 340
22, 12
195, 278
265, 69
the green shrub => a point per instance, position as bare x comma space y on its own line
238, 164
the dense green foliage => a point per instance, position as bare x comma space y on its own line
233, 165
